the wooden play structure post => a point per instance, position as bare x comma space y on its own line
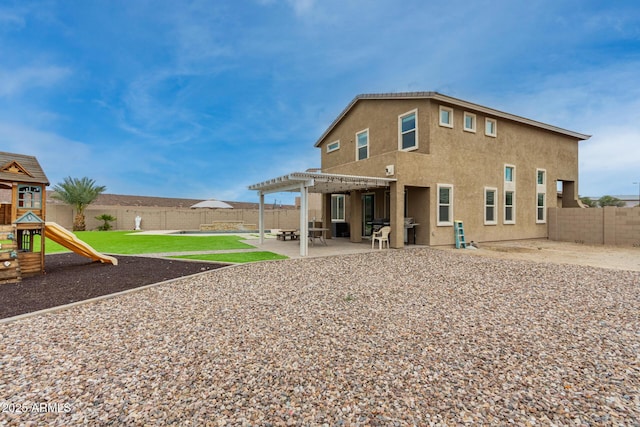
24, 218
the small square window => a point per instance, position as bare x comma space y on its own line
491, 127
333, 146
469, 122
509, 173
446, 117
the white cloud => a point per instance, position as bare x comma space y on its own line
17, 81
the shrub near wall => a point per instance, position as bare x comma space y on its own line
159, 218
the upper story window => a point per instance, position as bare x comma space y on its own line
337, 208
333, 146
541, 176
29, 196
446, 116
408, 129
445, 204
469, 122
491, 127
362, 144
509, 173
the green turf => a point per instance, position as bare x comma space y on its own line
128, 243
237, 257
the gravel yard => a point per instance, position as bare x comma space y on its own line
395, 337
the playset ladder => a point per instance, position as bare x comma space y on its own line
458, 230
9, 265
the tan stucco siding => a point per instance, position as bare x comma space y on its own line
469, 161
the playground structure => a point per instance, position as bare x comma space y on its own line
22, 222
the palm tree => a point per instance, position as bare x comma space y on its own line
78, 193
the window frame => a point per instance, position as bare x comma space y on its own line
513, 173
450, 111
544, 177
494, 126
336, 148
363, 131
449, 222
338, 209
464, 122
508, 206
401, 133
34, 201
494, 207
541, 190
541, 209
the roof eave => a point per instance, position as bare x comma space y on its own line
448, 99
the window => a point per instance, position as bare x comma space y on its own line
469, 122
509, 207
29, 196
541, 208
362, 145
337, 208
491, 127
446, 117
509, 172
333, 146
509, 194
408, 127
445, 204
490, 206
541, 200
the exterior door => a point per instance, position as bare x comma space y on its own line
368, 204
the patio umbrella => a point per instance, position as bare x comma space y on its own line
212, 204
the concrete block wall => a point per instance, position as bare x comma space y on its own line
605, 226
159, 218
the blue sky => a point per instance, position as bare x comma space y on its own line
200, 99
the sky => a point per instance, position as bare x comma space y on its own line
200, 99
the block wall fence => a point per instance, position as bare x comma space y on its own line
162, 218
595, 226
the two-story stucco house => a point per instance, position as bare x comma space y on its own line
439, 159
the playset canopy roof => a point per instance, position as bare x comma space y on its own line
21, 168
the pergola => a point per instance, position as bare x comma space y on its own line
312, 182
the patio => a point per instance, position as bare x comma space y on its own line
334, 246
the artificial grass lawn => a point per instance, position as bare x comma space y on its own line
128, 243
236, 257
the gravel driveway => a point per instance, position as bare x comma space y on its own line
396, 337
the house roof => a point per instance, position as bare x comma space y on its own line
21, 168
453, 101
317, 182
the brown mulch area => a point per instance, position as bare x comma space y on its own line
70, 277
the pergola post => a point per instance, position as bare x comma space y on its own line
304, 220
261, 217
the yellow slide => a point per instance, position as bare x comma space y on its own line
69, 240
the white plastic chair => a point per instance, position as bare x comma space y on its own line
382, 236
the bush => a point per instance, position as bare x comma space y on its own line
106, 218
